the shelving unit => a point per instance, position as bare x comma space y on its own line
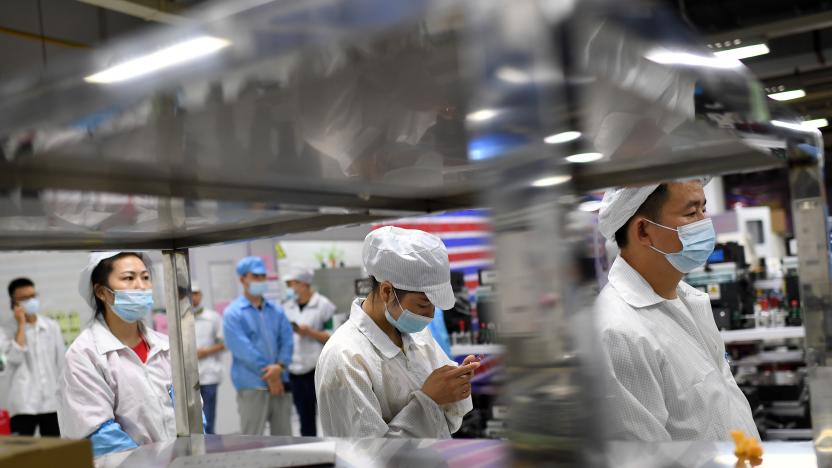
762, 334
464, 350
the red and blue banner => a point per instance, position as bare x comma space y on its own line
468, 236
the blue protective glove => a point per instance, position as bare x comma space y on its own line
110, 438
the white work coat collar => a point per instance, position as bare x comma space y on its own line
635, 290
39, 324
313, 301
106, 342
376, 335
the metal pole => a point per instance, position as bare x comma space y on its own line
811, 226
182, 333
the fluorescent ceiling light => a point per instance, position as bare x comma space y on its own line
513, 75
740, 53
590, 206
788, 95
551, 181
796, 126
666, 57
561, 137
481, 115
584, 157
815, 123
164, 58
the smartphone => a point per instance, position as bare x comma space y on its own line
294, 326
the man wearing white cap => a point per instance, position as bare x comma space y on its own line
310, 314
209, 343
666, 373
382, 374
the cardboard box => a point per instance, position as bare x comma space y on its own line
44, 452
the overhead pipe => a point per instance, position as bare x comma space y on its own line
141, 10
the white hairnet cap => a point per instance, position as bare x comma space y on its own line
411, 260
85, 279
195, 287
299, 273
621, 203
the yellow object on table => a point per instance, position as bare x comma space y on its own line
746, 447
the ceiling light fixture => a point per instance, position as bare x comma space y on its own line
169, 56
513, 75
583, 158
796, 126
815, 123
551, 181
481, 115
561, 138
666, 57
788, 95
590, 206
743, 52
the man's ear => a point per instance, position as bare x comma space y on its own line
640, 232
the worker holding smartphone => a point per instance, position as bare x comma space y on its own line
382, 374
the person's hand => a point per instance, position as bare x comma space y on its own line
468, 360
450, 384
19, 314
201, 353
303, 330
276, 387
272, 372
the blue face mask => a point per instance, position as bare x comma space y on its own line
408, 322
698, 241
257, 288
132, 305
291, 295
31, 306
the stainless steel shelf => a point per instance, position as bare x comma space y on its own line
370, 107
271, 451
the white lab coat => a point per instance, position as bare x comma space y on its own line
306, 351
35, 367
366, 386
208, 325
104, 379
666, 376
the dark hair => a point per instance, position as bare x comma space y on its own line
650, 209
101, 273
16, 284
400, 293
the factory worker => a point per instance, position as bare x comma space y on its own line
116, 387
259, 337
35, 357
382, 374
310, 314
209, 345
666, 373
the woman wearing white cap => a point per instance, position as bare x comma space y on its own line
382, 374
116, 386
